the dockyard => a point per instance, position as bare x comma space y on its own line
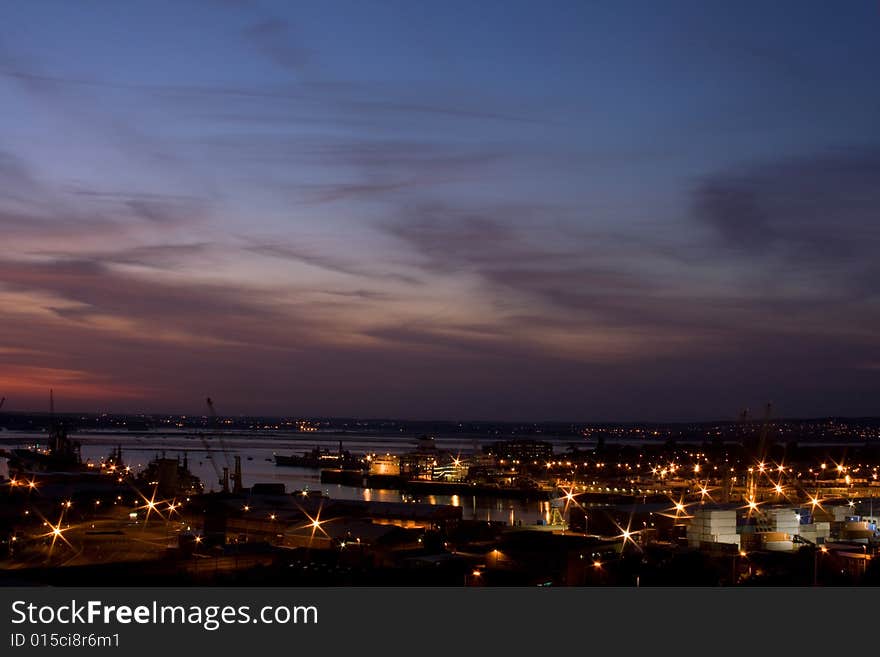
608, 513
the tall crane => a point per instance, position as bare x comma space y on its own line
236, 474
2, 401
222, 477
210, 457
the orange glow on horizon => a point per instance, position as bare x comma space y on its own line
29, 385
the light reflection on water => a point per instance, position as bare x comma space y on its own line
258, 466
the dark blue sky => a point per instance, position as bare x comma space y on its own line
463, 210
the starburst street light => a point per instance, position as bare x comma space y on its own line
56, 532
678, 510
570, 498
751, 505
627, 534
705, 492
151, 505
315, 523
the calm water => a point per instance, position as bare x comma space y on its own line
258, 466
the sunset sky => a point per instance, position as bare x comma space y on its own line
459, 210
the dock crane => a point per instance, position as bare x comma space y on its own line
2, 401
225, 476
224, 483
222, 477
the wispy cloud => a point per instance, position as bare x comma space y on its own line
132, 307
815, 215
275, 37
330, 263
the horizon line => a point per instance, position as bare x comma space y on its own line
749, 420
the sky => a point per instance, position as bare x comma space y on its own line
577, 211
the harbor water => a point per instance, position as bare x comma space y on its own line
258, 466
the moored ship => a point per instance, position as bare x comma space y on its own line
321, 458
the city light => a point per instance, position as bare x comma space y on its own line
150, 505
56, 531
667, 511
